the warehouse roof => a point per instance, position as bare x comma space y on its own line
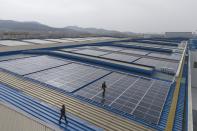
143, 81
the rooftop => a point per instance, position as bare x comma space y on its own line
146, 82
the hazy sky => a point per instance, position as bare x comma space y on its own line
123, 15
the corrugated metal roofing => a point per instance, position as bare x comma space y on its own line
11, 120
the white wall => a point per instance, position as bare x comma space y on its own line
193, 70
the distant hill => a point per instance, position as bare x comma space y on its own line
9, 25
15, 26
98, 31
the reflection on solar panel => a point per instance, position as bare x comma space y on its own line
121, 57
13, 43
130, 94
173, 56
158, 64
69, 77
39, 41
110, 48
32, 64
91, 52
60, 40
133, 51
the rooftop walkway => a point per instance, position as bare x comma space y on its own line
42, 111
92, 114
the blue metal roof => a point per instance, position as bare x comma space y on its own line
42, 111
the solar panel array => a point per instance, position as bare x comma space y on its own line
173, 56
133, 51
133, 56
60, 40
78, 39
121, 57
91, 52
141, 97
31, 64
140, 44
70, 49
109, 48
158, 64
162, 42
13, 43
39, 41
11, 57
123, 50
69, 77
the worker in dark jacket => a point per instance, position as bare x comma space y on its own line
103, 88
63, 114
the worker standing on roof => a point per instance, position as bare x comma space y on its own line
104, 87
63, 114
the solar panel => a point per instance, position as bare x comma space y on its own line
78, 39
11, 57
91, 52
69, 77
173, 56
152, 103
13, 43
31, 64
70, 49
133, 51
121, 57
170, 47
158, 64
110, 48
162, 42
60, 40
134, 95
39, 41
140, 44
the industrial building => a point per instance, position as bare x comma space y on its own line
178, 34
148, 84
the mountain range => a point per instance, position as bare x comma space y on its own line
15, 26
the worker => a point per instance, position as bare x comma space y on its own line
103, 88
63, 114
